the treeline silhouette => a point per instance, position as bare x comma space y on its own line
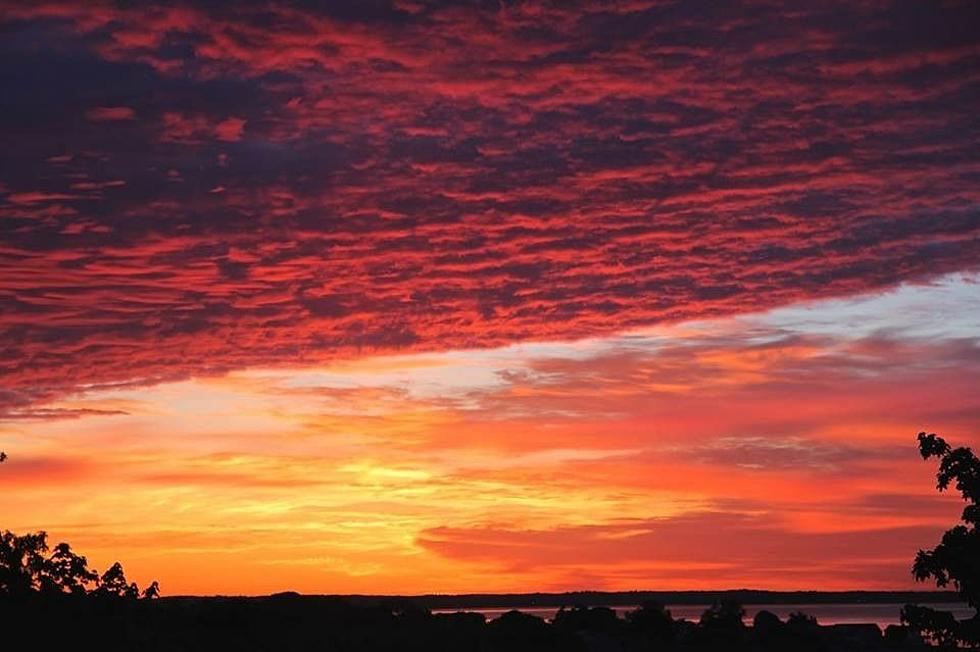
290, 622
29, 569
50, 599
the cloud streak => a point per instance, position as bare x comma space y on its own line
706, 549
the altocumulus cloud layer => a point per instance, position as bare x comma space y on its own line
193, 189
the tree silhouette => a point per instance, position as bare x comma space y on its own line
956, 560
721, 627
804, 631
723, 615
113, 583
654, 620
66, 572
22, 562
27, 568
152, 591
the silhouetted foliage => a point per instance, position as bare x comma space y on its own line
956, 560
29, 567
515, 630
769, 630
804, 631
113, 583
67, 572
723, 615
152, 591
288, 622
21, 562
766, 621
896, 634
721, 627
653, 620
801, 620
594, 619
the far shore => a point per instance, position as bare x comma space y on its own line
614, 598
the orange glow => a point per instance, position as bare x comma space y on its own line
558, 466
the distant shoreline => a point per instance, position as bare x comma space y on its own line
610, 598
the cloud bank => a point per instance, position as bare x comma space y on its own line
194, 188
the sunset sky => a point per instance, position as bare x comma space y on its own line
371, 297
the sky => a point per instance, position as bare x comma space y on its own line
371, 297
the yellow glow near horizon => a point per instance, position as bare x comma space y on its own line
613, 462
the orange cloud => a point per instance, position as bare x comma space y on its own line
721, 454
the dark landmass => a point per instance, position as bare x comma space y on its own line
621, 598
289, 621
633, 598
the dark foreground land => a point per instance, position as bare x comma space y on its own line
289, 622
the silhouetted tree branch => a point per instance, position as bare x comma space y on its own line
956, 560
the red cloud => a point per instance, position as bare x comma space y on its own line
110, 113
182, 128
710, 549
230, 129
557, 172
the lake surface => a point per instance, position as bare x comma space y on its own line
826, 614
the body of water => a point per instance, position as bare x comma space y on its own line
826, 614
